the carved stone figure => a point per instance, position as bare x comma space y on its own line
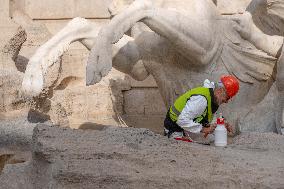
180, 43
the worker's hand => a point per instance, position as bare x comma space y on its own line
208, 130
229, 127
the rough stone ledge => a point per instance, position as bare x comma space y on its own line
138, 158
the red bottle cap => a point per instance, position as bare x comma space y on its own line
220, 120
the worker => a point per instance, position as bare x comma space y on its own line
193, 111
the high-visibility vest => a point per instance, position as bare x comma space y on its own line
181, 101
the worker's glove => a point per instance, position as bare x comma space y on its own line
208, 130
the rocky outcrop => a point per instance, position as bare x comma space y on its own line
10, 77
138, 158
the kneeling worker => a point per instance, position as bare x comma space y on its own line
193, 111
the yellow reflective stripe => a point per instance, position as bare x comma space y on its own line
173, 116
175, 111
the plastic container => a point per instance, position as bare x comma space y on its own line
220, 132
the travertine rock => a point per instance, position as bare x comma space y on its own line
10, 78
139, 158
128, 158
10, 47
262, 116
53, 9
149, 102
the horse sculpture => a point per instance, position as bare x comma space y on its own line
180, 43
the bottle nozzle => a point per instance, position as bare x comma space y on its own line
221, 119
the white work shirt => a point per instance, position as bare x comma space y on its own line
194, 107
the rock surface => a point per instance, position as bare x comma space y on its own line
138, 158
10, 78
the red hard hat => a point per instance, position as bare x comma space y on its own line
231, 85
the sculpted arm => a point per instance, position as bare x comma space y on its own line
249, 31
269, 44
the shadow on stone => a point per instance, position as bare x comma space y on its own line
21, 63
35, 116
65, 82
4, 158
92, 126
11, 158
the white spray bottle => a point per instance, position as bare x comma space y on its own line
220, 132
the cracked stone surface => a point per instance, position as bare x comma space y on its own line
138, 158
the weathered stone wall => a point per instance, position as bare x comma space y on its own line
11, 38
4, 9
66, 9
